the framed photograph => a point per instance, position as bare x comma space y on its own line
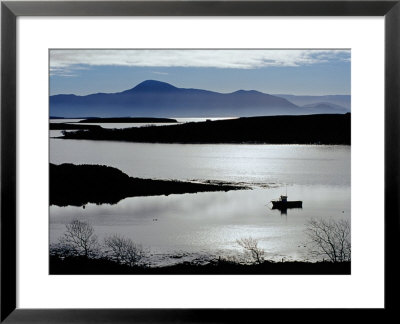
189, 161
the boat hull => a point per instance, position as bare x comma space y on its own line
286, 204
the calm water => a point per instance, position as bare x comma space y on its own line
196, 225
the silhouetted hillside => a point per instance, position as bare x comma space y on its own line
78, 185
308, 129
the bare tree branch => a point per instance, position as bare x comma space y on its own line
330, 238
79, 236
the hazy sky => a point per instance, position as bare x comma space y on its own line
300, 72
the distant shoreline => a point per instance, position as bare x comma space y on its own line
128, 120
67, 126
304, 129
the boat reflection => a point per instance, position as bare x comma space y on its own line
283, 210
283, 204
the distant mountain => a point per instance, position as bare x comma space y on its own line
343, 101
326, 106
159, 99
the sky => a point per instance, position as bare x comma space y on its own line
298, 72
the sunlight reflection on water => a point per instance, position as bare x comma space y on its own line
210, 223
285, 164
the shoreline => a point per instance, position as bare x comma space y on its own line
198, 143
78, 185
67, 126
329, 129
137, 120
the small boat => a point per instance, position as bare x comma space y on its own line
283, 203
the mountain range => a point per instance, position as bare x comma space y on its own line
340, 101
154, 99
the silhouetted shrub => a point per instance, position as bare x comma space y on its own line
124, 250
251, 247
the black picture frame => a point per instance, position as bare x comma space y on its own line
10, 10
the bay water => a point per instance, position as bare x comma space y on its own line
200, 226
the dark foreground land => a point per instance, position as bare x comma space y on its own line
307, 129
82, 265
78, 185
